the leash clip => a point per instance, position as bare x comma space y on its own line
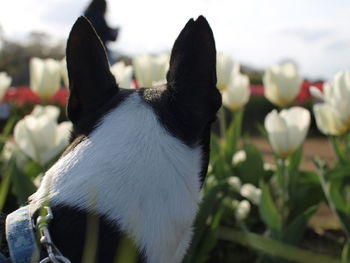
42, 224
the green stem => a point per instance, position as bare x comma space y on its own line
335, 143
273, 247
325, 187
283, 179
222, 122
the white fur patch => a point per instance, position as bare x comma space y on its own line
143, 178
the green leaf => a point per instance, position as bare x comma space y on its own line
345, 255
233, 135
23, 186
305, 192
206, 223
252, 169
294, 231
215, 148
295, 160
33, 169
5, 183
8, 127
272, 247
268, 211
338, 173
345, 220
7, 131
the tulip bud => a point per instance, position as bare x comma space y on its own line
123, 75
45, 77
151, 70
252, 193
282, 83
5, 82
239, 157
237, 93
234, 182
242, 210
287, 130
224, 68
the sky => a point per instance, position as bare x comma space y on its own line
258, 33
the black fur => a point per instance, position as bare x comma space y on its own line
68, 230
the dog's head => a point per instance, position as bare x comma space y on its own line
185, 107
140, 152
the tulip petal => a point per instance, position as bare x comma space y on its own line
52, 111
150, 69
45, 76
224, 67
328, 120
23, 140
278, 133
123, 75
237, 94
281, 83
298, 122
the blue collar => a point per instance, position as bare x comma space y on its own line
20, 236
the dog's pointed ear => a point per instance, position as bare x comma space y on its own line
191, 79
90, 79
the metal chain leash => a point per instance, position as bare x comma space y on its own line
54, 255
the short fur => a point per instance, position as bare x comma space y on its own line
137, 158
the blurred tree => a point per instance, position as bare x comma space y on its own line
15, 56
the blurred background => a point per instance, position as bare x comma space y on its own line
257, 33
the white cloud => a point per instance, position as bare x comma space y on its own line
259, 32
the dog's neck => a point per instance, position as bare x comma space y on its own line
131, 170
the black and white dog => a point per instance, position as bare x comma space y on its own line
141, 154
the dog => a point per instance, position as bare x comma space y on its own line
137, 158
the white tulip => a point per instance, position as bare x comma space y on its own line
151, 70
40, 137
11, 151
252, 193
333, 115
239, 157
242, 210
224, 67
237, 93
5, 82
51, 111
123, 75
287, 130
45, 76
282, 83
64, 72
234, 182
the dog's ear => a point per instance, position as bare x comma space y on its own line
90, 80
192, 74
